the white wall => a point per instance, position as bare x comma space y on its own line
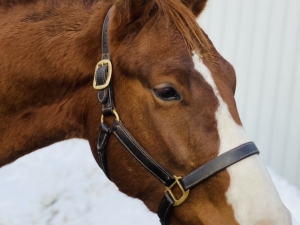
261, 38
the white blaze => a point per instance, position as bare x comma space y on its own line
251, 193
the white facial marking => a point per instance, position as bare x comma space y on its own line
251, 193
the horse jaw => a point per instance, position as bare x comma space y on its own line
251, 193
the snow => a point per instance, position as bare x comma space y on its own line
62, 184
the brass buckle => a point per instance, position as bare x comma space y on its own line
184, 196
109, 72
115, 114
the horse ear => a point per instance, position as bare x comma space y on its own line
130, 11
197, 6
129, 17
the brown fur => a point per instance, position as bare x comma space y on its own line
48, 51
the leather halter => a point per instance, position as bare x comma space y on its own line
103, 73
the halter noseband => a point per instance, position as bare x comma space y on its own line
103, 73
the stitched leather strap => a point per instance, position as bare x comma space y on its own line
217, 164
165, 209
101, 147
105, 96
140, 154
207, 170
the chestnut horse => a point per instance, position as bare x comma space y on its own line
173, 91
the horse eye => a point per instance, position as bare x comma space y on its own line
167, 93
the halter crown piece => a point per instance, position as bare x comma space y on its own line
102, 83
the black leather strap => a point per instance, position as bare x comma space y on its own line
165, 209
221, 162
104, 41
105, 96
207, 170
101, 147
141, 155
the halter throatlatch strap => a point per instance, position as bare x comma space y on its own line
102, 83
137, 151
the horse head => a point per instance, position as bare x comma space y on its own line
175, 94
172, 91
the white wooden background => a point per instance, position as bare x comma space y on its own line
261, 38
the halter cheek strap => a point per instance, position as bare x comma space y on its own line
136, 150
103, 73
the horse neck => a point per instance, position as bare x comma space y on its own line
46, 75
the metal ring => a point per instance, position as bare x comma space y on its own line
115, 114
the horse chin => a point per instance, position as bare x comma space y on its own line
255, 183
271, 221
203, 212
192, 217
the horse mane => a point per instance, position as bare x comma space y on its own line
12, 3
16, 2
175, 10
185, 22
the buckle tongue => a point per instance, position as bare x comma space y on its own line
184, 196
109, 72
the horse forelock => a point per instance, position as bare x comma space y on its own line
131, 19
185, 22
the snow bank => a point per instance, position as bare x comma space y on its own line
62, 185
